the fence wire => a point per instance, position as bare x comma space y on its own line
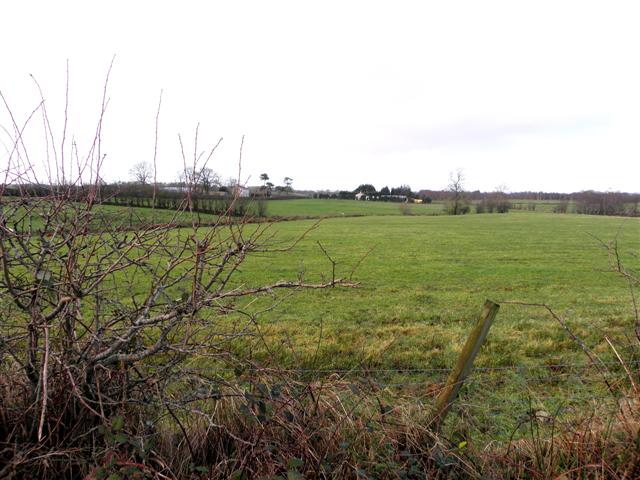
495, 402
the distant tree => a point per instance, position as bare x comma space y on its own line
186, 177
402, 190
202, 180
500, 199
603, 203
265, 178
367, 189
141, 172
206, 179
496, 201
385, 191
287, 184
458, 204
561, 207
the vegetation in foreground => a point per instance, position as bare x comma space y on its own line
214, 356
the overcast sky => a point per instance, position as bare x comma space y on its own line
535, 95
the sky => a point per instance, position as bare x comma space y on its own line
535, 95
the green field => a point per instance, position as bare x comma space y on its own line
427, 277
134, 217
421, 286
421, 289
313, 208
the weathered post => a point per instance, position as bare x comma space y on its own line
465, 362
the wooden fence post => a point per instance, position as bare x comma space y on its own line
465, 362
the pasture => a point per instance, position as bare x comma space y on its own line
422, 279
423, 283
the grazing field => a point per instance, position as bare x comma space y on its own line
423, 279
391, 340
421, 289
123, 217
426, 278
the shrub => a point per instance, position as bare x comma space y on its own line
457, 208
109, 338
261, 208
561, 207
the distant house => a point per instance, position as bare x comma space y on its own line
361, 196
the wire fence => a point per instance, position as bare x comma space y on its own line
495, 402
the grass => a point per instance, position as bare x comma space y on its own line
304, 208
422, 284
134, 217
422, 288
427, 277
315, 208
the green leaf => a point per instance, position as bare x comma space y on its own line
117, 424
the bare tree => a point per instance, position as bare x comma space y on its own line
457, 205
142, 172
498, 200
206, 179
201, 180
